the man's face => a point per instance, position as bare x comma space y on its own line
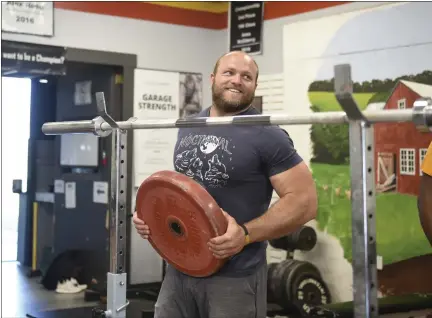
234, 84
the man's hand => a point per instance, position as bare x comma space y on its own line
141, 227
229, 243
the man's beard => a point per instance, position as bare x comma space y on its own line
230, 106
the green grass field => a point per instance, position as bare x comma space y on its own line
326, 101
399, 234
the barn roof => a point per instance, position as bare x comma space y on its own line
376, 106
421, 89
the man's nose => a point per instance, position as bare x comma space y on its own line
236, 79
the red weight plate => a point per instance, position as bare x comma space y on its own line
182, 217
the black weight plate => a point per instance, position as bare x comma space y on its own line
303, 239
270, 274
298, 268
277, 283
308, 289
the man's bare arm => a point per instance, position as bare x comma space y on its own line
297, 205
425, 205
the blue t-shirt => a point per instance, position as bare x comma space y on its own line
234, 164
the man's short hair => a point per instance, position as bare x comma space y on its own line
219, 59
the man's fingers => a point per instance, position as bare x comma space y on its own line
225, 253
219, 240
144, 231
220, 247
136, 220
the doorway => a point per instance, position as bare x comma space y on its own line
15, 133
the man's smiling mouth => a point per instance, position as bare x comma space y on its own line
233, 90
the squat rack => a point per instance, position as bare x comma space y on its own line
363, 202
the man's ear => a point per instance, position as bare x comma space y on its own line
212, 78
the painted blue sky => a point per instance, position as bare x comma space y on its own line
381, 44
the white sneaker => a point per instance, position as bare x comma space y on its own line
75, 283
70, 286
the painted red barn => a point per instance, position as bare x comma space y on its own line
400, 147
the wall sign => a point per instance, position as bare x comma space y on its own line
156, 97
100, 192
32, 58
28, 17
83, 93
245, 26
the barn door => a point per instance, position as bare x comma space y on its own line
386, 172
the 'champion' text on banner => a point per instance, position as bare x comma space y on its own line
33, 58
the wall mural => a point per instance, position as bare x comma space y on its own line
389, 51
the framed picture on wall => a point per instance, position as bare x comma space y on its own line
191, 90
257, 103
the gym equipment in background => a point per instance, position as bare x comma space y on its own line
361, 169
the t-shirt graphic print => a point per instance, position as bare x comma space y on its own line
205, 158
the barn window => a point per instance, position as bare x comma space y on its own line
401, 103
407, 161
422, 154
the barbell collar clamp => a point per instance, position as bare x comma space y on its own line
422, 114
98, 131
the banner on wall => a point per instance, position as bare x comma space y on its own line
28, 17
245, 21
32, 58
156, 97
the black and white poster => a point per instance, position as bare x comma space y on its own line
28, 17
32, 58
245, 26
191, 99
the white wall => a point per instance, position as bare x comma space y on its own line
157, 45
179, 48
271, 61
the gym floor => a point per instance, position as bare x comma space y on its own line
22, 295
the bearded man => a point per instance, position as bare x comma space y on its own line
239, 166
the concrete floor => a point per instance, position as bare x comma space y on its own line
21, 295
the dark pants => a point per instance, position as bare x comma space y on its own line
183, 296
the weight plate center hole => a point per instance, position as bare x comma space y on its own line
311, 297
176, 228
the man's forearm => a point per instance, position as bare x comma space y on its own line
285, 216
425, 206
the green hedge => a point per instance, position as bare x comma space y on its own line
330, 143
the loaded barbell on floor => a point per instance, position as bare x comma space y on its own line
361, 164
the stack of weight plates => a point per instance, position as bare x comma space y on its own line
296, 286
